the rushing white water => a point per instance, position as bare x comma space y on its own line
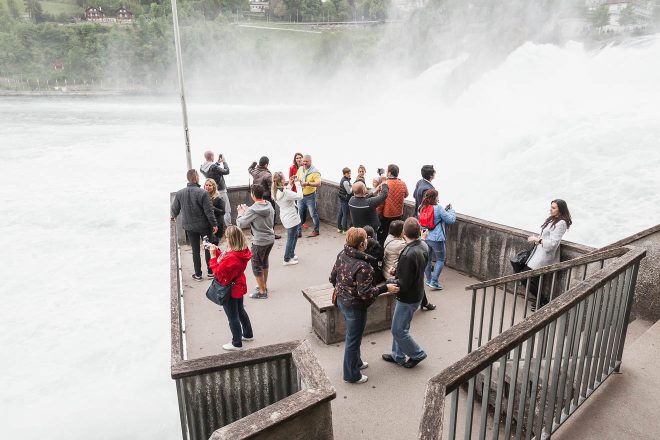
85, 184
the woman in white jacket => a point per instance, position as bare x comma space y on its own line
286, 200
546, 249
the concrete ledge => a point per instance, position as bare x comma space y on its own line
328, 322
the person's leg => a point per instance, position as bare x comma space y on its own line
207, 254
340, 214
225, 197
401, 332
439, 251
397, 321
344, 210
355, 320
257, 268
291, 239
314, 213
265, 265
428, 270
302, 210
384, 229
195, 238
231, 310
244, 318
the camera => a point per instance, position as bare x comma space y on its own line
380, 171
205, 242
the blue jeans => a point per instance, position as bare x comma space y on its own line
291, 240
355, 320
309, 202
438, 249
403, 343
342, 218
239, 321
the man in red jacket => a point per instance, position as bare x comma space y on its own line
393, 206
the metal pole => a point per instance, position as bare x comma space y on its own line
179, 64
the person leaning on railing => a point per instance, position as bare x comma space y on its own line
546, 249
353, 279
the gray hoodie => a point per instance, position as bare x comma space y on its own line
259, 217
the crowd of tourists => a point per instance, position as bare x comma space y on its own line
382, 251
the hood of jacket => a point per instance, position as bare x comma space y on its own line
243, 255
205, 167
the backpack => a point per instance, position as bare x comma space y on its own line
427, 217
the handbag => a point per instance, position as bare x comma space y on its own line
519, 260
219, 293
334, 296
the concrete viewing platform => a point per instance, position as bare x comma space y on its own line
389, 405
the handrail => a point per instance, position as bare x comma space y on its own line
501, 346
589, 258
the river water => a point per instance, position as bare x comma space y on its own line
85, 182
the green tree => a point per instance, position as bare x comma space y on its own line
627, 16
34, 10
13, 9
600, 16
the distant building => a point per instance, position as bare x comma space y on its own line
94, 13
259, 7
123, 14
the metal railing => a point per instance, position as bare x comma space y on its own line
490, 297
538, 372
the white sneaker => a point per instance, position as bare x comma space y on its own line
362, 379
290, 262
248, 339
364, 365
295, 257
229, 346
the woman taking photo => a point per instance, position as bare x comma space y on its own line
286, 200
353, 279
218, 201
546, 244
229, 267
434, 217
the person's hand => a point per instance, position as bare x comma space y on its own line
392, 270
393, 288
215, 229
221, 158
173, 219
425, 234
533, 239
240, 209
213, 250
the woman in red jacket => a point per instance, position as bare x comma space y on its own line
227, 267
293, 169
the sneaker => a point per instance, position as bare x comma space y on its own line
248, 339
389, 358
428, 306
210, 275
434, 285
362, 379
291, 262
364, 365
295, 257
343, 232
411, 363
197, 277
313, 234
339, 230
259, 295
277, 237
230, 347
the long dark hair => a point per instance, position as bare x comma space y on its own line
564, 214
430, 198
294, 159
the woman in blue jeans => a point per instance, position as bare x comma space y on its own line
353, 279
434, 217
286, 198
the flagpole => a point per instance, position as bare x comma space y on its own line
179, 65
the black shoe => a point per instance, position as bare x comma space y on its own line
388, 358
210, 275
277, 237
428, 306
197, 277
299, 234
411, 363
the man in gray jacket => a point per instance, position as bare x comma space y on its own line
198, 220
259, 217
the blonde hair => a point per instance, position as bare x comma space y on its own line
235, 238
355, 236
215, 194
278, 181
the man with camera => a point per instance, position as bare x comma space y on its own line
217, 171
393, 206
310, 179
198, 220
410, 274
262, 176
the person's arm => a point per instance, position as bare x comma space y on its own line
348, 188
251, 169
333, 274
447, 216
313, 180
176, 207
219, 207
404, 273
290, 195
207, 205
222, 170
244, 220
380, 198
551, 242
364, 281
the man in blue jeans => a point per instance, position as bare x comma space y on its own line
310, 179
410, 273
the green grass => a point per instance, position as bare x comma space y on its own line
56, 8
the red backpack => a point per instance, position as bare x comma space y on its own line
427, 217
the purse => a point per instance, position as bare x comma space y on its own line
219, 293
334, 296
519, 260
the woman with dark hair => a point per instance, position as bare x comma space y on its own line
293, 169
394, 244
352, 276
546, 249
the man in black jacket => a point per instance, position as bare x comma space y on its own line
363, 205
198, 220
410, 273
217, 171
